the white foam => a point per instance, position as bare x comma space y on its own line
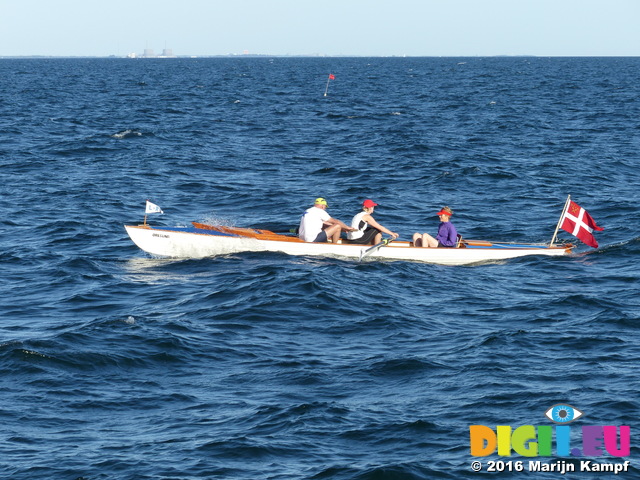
127, 134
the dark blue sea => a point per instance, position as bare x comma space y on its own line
118, 365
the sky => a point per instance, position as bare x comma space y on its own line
321, 27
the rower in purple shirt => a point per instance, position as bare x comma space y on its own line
447, 234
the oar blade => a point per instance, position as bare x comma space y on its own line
375, 248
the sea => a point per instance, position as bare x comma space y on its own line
118, 365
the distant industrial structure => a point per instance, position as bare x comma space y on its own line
149, 53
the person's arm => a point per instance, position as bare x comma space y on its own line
344, 226
371, 221
452, 236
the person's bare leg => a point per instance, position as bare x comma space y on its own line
333, 233
417, 239
429, 241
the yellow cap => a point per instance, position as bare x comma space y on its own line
321, 201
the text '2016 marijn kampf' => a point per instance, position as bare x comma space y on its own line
560, 466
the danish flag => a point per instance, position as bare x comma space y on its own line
577, 221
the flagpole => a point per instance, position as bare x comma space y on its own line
564, 210
326, 89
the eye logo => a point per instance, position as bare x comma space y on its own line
563, 413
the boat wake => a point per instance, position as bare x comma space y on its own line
630, 246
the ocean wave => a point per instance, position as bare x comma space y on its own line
129, 133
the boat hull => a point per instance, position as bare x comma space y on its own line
193, 242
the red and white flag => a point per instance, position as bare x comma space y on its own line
577, 221
332, 76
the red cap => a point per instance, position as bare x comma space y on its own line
369, 203
443, 212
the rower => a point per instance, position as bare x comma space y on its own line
316, 225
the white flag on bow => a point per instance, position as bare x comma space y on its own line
152, 208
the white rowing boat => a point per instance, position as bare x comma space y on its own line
203, 240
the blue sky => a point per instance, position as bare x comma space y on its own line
328, 27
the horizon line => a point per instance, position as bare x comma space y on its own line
249, 55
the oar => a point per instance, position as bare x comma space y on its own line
477, 243
375, 248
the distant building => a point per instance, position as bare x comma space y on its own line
149, 53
